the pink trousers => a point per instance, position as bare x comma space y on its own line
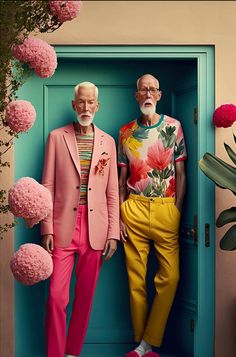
87, 271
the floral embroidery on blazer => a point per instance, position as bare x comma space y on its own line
102, 162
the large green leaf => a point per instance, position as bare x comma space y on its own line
228, 242
230, 152
227, 216
224, 175
228, 166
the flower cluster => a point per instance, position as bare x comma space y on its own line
65, 10
20, 115
40, 56
102, 162
224, 116
31, 264
30, 200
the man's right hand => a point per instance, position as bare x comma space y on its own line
47, 243
123, 232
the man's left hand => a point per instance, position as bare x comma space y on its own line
110, 248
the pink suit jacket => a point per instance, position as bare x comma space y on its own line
61, 175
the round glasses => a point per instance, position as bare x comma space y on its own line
152, 91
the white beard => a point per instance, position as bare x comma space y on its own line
147, 110
86, 122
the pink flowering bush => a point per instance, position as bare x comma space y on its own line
224, 116
20, 115
65, 10
31, 264
30, 200
39, 55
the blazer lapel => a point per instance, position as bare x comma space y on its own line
70, 140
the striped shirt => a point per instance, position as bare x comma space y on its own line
85, 149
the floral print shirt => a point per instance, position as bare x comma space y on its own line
151, 153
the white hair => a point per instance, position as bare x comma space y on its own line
138, 80
86, 85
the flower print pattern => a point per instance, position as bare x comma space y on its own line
143, 185
128, 140
138, 171
170, 191
151, 154
158, 157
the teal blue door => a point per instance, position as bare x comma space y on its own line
190, 327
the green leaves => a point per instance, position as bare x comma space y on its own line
228, 242
224, 176
226, 216
230, 152
168, 136
180, 148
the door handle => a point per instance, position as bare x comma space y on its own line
207, 235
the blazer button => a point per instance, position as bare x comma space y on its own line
90, 189
91, 209
74, 208
77, 187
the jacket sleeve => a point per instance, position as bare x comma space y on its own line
113, 198
48, 180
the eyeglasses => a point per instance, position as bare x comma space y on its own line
152, 91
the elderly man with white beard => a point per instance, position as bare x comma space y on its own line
152, 186
80, 170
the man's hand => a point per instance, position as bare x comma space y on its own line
123, 232
110, 248
47, 243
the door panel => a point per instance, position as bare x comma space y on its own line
110, 318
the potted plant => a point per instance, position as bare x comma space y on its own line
223, 174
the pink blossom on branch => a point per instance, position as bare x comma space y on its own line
31, 264
30, 200
20, 115
39, 55
224, 116
65, 10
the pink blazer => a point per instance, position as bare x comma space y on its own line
61, 175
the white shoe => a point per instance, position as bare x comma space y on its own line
69, 356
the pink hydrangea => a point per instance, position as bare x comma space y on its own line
224, 116
65, 10
30, 200
20, 115
31, 264
40, 56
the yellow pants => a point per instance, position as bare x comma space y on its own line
151, 219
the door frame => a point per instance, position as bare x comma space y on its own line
204, 56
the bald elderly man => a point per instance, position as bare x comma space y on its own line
80, 170
152, 186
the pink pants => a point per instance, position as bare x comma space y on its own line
87, 271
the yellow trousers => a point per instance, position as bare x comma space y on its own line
151, 219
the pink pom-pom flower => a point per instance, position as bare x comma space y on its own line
65, 10
31, 264
30, 200
20, 115
39, 55
224, 116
